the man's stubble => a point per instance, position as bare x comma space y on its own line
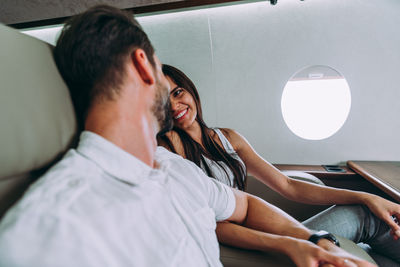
161, 108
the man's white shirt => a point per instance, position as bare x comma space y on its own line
101, 206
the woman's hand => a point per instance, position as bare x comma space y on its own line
306, 254
350, 260
387, 211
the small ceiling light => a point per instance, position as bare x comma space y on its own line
274, 2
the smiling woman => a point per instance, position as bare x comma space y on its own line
193, 139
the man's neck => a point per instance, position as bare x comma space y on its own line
132, 132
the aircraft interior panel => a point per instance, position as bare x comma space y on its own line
241, 56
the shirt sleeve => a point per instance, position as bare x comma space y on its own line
216, 195
220, 198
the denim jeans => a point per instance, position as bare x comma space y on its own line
357, 223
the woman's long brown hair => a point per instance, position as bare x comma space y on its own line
193, 150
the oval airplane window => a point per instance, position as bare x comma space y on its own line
316, 102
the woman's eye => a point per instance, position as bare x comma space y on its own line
177, 92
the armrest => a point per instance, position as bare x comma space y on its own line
303, 176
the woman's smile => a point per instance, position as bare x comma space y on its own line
181, 114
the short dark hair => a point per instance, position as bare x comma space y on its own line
91, 51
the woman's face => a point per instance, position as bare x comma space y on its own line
183, 106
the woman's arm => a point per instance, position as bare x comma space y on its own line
308, 192
262, 226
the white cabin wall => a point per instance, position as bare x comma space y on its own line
183, 40
241, 56
255, 48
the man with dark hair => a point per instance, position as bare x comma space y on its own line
117, 199
94, 69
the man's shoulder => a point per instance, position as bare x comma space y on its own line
53, 191
46, 209
67, 171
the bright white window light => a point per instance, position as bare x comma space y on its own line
316, 102
48, 34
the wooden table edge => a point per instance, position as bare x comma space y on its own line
374, 180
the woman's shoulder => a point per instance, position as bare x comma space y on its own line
172, 138
230, 133
238, 141
233, 137
172, 134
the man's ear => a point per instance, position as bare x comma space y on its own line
143, 66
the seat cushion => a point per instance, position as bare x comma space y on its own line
36, 113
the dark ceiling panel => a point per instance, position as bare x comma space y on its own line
31, 13
19, 11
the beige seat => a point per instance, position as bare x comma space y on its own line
37, 118
38, 125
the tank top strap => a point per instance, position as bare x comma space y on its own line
225, 142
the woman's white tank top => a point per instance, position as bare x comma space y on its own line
219, 173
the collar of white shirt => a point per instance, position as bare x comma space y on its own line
112, 159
